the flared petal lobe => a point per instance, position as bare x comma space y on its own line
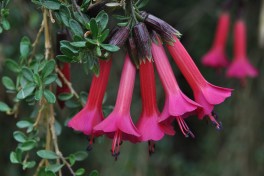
120, 119
176, 103
148, 125
92, 114
205, 93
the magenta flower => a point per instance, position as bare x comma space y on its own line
176, 103
148, 125
118, 125
216, 57
205, 93
240, 67
92, 114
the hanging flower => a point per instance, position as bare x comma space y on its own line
176, 103
205, 93
148, 126
92, 113
118, 125
216, 57
240, 67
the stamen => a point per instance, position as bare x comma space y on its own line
184, 127
151, 147
213, 117
117, 141
91, 141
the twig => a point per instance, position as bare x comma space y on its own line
35, 43
67, 82
55, 140
47, 35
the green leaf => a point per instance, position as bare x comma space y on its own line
102, 20
4, 107
25, 46
29, 165
109, 47
28, 74
38, 94
65, 96
80, 172
72, 159
37, 79
28, 145
13, 158
50, 79
141, 4
93, 42
104, 35
6, 24
8, 83
19, 136
98, 51
80, 44
23, 124
12, 65
26, 91
67, 49
51, 5
94, 28
65, 15
50, 97
64, 58
47, 154
76, 27
49, 68
72, 104
54, 167
94, 173
81, 155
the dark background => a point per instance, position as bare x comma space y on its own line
236, 150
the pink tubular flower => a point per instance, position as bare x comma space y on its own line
205, 93
240, 67
148, 125
216, 57
118, 125
176, 103
92, 114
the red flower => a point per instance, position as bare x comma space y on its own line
148, 125
92, 114
118, 125
216, 57
176, 103
205, 93
240, 67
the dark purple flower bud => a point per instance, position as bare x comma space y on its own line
94, 9
120, 36
166, 31
142, 40
132, 51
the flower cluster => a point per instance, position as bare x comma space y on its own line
240, 67
146, 53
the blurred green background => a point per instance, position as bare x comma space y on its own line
236, 150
